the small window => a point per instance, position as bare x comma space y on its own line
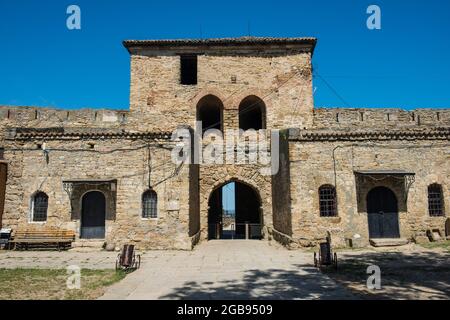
435, 200
149, 204
327, 199
188, 66
39, 207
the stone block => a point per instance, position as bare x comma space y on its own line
421, 239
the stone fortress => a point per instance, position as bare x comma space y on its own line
358, 174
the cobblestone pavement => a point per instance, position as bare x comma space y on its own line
228, 269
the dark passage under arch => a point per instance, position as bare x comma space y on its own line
242, 222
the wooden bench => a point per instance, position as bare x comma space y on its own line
38, 238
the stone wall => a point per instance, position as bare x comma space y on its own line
316, 163
282, 81
281, 195
37, 117
362, 119
29, 170
194, 201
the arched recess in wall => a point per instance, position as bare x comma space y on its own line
252, 113
210, 113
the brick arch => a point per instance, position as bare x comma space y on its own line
248, 184
207, 92
264, 95
250, 181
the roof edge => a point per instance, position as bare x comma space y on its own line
240, 41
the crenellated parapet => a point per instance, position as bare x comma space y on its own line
356, 119
37, 117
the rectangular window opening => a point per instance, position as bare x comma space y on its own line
188, 66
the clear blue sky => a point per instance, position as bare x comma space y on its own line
228, 199
406, 64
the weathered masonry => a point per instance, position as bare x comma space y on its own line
358, 174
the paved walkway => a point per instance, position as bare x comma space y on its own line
57, 260
227, 269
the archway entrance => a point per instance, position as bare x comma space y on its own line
234, 212
93, 215
382, 212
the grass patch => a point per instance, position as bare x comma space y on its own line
46, 284
438, 245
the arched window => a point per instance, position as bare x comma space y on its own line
435, 200
327, 201
149, 204
252, 113
39, 206
209, 112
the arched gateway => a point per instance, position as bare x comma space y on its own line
234, 212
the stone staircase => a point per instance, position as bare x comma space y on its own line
85, 245
388, 242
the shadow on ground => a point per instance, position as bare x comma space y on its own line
410, 275
415, 275
306, 283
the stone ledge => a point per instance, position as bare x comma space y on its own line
388, 242
334, 135
93, 133
86, 243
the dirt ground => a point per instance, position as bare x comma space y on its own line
407, 272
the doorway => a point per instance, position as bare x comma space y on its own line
382, 213
93, 214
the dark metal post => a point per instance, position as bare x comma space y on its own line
246, 231
218, 231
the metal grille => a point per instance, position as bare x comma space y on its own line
149, 204
40, 205
327, 199
435, 201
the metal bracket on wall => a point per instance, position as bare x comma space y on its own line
408, 181
68, 188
